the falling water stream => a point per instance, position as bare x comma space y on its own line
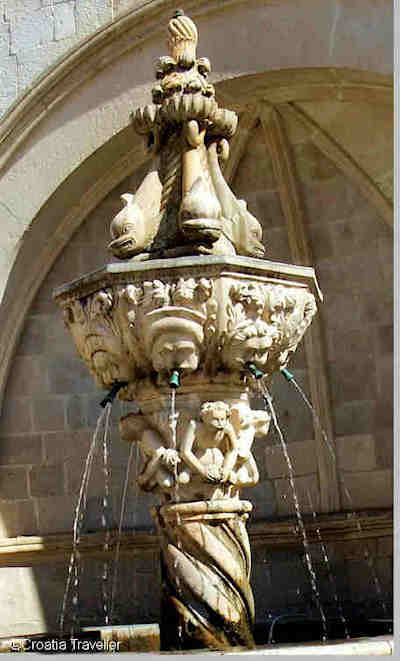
367, 555
119, 536
105, 521
331, 577
74, 567
173, 421
307, 554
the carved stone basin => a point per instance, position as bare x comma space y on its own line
204, 316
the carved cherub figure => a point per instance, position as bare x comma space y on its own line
209, 447
160, 462
248, 425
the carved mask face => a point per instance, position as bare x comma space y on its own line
256, 350
252, 350
170, 353
106, 357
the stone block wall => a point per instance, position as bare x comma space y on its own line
356, 580
137, 595
34, 34
352, 255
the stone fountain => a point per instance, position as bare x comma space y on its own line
183, 325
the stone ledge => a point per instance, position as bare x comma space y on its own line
28, 551
145, 638
206, 266
379, 646
329, 528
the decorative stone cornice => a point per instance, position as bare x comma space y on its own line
330, 528
209, 314
209, 266
271, 535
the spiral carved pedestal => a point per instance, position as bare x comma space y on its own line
205, 557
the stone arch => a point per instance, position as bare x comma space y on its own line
109, 152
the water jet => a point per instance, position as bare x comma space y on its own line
288, 375
113, 393
255, 371
174, 381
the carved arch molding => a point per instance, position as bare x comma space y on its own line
267, 100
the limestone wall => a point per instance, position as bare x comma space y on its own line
35, 33
63, 153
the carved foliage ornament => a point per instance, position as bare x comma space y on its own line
125, 332
165, 326
128, 331
265, 324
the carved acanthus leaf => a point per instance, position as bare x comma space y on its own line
191, 292
156, 294
251, 297
290, 311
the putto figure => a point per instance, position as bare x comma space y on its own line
160, 462
209, 447
248, 425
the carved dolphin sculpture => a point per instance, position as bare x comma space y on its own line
238, 224
135, 226
200, 213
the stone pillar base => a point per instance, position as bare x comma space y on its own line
207, 600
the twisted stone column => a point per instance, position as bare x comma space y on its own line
207, 600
